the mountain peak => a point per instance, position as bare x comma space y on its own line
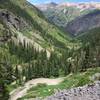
53, 3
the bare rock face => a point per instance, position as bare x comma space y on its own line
84, 23
11, 20
88, 92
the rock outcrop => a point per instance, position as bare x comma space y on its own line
11, 20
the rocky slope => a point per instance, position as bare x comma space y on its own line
84, 23
88, 92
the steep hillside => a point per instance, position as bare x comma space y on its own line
61, 16
26, 39
25, 19
92, 36
84, 23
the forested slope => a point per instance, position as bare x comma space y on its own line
31, 47
26, 38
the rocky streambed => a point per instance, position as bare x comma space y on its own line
87, 92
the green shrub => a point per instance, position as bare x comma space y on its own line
82, 81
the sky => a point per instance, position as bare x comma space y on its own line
59, 1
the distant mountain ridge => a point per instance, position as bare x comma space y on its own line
84, 23
71, 16
62, 14
82, 6
46, 6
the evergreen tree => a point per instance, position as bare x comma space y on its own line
5, 79
17, 74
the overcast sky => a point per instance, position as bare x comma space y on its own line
59, 1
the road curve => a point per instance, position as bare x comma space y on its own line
21, 91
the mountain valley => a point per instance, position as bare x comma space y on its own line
46, 48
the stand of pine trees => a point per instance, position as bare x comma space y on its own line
6, 77
36, 64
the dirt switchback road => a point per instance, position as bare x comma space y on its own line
21, 91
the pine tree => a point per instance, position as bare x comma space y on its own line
17, 74
5, 79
